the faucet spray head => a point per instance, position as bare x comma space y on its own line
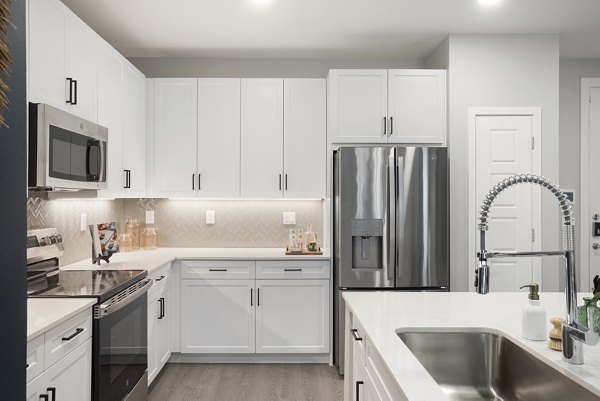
482, 277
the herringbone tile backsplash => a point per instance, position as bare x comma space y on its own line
180, 223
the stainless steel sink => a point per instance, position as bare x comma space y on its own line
485, 366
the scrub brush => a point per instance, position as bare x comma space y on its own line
555, 342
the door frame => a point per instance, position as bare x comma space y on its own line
584, 208
536, 165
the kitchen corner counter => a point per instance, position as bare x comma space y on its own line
382, 313
45, 313
153, 259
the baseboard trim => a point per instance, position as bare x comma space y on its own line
249, 358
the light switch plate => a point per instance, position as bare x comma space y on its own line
289, 217
83, 222
210, 217
149, 216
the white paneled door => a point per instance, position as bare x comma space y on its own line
590, 176
503, 148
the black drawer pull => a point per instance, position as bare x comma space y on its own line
52, 391
217, 270
293, 270
358, 384
355, 335
44, 397
160, 278
77, 331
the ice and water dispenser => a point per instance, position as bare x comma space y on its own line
367, 243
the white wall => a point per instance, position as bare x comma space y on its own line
172, 67
571, 72
440, 56
500, 71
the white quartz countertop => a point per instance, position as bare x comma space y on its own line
45, 313
153, 259
382, 313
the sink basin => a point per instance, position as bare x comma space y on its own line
486, 366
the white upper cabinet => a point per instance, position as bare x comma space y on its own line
417, 106
110, 113
357, 106
134, 131
262, 138
218, 138
387, 106
175, 136
62, 62
305, 132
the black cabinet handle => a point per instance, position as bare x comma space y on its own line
286, 182
280, 182
70, 99
358, 384
384, 125
193, 182
293, 270
76, 96
217, 270
127, 179
77, 332
258, 297
199, 182
391, 125
52, 391
251, 296
160, 278
44, 397
355, 335
162, 308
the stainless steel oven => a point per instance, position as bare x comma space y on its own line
65, 152
121, 346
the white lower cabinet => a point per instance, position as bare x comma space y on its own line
69, 379
217, 316
159, 322
292, 316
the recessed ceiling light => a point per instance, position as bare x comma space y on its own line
489, 2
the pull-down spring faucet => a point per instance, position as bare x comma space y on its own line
573, 334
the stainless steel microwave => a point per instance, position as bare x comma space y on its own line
65, 152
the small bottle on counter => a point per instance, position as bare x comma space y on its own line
534, 316
150, 238
132, 227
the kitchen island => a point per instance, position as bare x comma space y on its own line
379, 315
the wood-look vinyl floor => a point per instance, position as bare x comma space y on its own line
248, 382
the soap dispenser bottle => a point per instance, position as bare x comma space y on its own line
534, 316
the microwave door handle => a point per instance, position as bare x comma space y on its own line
88, 152
391, 226
102, 161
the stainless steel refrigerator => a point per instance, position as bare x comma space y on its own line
390, 224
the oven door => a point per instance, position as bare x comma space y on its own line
120, 359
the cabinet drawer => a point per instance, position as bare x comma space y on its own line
222, 270
35, 357
160, 280
358, 339
286, 269
64, 338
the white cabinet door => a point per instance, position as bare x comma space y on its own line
175, 146
80, 65
153, 314
217, 316
134, 132
292, 316
305, 132
219, 138
164, 329
46, 57
357, 106
110, 113
70, 378
262, 138
417, 106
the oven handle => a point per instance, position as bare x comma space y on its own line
107, 309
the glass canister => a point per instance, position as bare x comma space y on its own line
589, 303
132, 227
125, 243
150, 238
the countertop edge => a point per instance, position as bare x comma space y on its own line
89, 302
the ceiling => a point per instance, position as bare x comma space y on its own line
344, 29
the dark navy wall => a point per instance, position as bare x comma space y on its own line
13, 196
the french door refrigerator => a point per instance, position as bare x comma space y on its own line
390, 224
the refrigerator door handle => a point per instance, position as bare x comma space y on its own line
391, 206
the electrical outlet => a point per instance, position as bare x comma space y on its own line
149, 216
210, 217
289, 217
83, 222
